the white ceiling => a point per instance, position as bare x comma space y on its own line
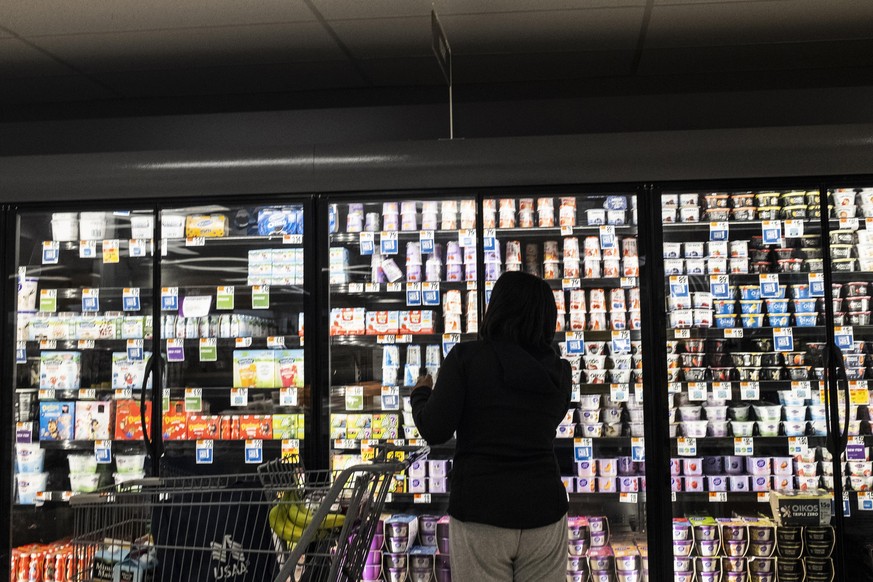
88, 50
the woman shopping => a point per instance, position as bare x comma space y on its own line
504, 396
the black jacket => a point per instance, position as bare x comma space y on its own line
505, 404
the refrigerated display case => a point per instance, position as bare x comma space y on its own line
224, 290
748, 369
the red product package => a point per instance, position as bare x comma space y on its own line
230, 428
128, 420
176, 422
203, 427
255, 426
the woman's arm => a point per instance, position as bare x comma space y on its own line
437, 411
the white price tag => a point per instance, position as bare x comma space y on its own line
697, 391
87, 249
733, 333
103, 452
51, 251
288, 397
719, 286
345, 444
566, 230
90, 300
628, 282
46, 394
426, 240
816, 285
717, 496
607, 236
85, 345
718, 231
388, 242
686, 446
356, 287
367, 243
570, 284
638, 449
771, 230
48, 344
783, 339
679, 287
204, 452
242, 342
169, 298
254, 451
130, 299
583, 450
674, 387
618, 393
421, 498
111, 251
801, 390
744, 446
721, 390
87, 394
195, 241
292, 239
865, 501
239, 396
372, 288
354, 396
769, 283
390, 398
750, 391
682, 333
137, 247
575, 342
575, 394
123, 393
627, 497
467, 237
276, 342
385, 339
763, 497
797, 445
793, 228
394, 287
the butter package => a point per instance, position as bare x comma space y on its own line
417, 322
128, 373
255, 426
128, 420
348, 321
60, 370
254, 368
206, 225
93, 420
57, 421
382, 322
204, 427
175, 422
287, 426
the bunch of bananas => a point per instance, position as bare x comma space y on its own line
292, 515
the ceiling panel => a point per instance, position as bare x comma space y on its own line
39, 17
492, 6
734, 23
541, 66
18, 59
209, 47
51, 89
781, 56
234, 80
342, 9
403, 71
386, 37
565, 30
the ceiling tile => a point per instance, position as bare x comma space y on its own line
766, 21
386, 37
343, 9
39, 17
232, 80
130, 51
781, 56
565, 30
492, 6
18, 59
541, 66
50, 90
401, 72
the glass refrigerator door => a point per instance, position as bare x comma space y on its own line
402, 279
585, 247
84, 336
851, 249
746, 363
232, 303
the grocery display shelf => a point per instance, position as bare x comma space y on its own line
592, 283
373, 340
721, 496
291, 240
727, 442
763, 385
811, 224
379, 290
558, 231
74, 393
817, 331
402, 235
799, 277
73, 445
240, 289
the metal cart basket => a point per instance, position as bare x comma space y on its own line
284, 523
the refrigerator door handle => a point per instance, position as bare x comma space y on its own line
149, 369
842, 382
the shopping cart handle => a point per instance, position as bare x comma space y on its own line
413, 453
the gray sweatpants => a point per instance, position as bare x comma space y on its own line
484, 553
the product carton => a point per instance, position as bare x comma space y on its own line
93, 420
382, 322
203, 427
289, 368
57, 421
348, 321
287, 426
206, 225
128, 373
230, 428
254, 368
255, 426
338, 426
128, 420
60, 370
175, 422
417, 322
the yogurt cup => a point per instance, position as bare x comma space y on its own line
28, 486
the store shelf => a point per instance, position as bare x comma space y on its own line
402, 235
374, 340
294, 240
810, 224
800, 277
749, 332
763, 385
503, 233
74, 445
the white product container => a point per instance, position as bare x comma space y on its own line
92, 226
82, 464
142, 227
84, 482
29, 458
65, 226
129, 463
27, 293
28, 486
172, 226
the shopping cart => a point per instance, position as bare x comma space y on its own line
284, 523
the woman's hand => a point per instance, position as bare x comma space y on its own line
425, 380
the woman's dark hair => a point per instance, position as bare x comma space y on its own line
522, 310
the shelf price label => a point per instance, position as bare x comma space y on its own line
467, 237
195, 241
390, 398
426, 240
421, 498
111, 251
345, 444
566, 230
844, 337
239, 397
48, 344
621, 342
260, 296
20, 352
717, 496
87, 249
750, 391
367, 243
627, 282
87, 394
388, 242
797, 445
763, 497
90, 300
394, 287
769, 283
224, 297
771, 230
46, 394
288, 397
783, 339
489, 241
103, 452
801, 389
193, 399
570, 284
583, 449
354, 396
679, 287
682, 333
856, 452
450, 340
48, 300
718, 231
638, 393
137, 247
696, 391
276, 342
719, 286
290, 448
386, 339
865, 501
575, 394
24, 432
204, 452
175, 350
674, 387
135, 352
430, 294
733, 333
575, 342
372, 288
858, 394
744, 446
123, 393
208, 349
628, 497
413, 294
686, 446
170, 298
51, 252
721, 390
618, 393
793, 228
638, 449
85, 345
242, 342
849, 224
254, 451
130, 299
292, 239
607, 236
